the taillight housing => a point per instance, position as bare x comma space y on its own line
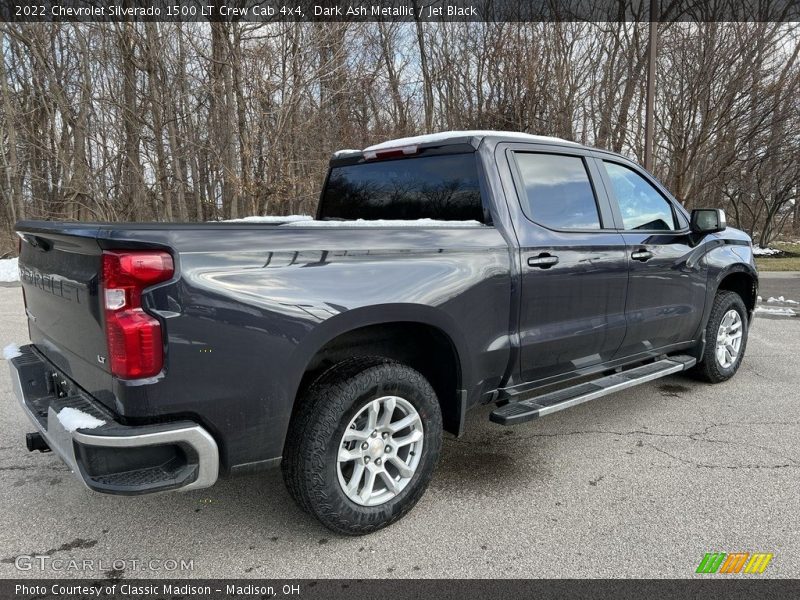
135, 342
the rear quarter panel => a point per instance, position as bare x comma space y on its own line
251, 306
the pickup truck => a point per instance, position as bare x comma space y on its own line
441, 272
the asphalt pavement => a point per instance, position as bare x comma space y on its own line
639, 484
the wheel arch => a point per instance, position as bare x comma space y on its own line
742, 280
422, 337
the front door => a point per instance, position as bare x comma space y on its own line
666, 285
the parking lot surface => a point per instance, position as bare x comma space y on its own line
639, 484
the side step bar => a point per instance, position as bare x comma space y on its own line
539, 406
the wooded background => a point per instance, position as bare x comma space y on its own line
200, 121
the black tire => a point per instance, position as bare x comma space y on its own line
709, 368
304, 413
310, 455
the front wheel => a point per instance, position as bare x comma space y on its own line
726, 338
364, 452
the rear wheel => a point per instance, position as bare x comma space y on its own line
363, 449
726, 338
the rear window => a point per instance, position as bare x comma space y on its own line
443, 187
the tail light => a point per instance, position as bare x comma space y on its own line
135, 344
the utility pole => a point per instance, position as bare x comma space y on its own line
652, 50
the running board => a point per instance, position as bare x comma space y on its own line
539, 406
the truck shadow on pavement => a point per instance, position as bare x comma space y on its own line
256, 510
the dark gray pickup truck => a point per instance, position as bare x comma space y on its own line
441, 272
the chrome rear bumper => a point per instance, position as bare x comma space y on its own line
107, 456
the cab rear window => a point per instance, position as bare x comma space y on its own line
443, 187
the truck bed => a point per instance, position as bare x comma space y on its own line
250, 304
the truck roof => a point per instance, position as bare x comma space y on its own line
473, 137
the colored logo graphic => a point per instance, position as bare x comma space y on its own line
737, 562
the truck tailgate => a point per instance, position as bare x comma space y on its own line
60, 272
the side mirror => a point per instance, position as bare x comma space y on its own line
708, 220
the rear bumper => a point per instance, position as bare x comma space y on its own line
107, 456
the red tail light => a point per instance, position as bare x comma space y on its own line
135, 344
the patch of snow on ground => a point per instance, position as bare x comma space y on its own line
11, 351
385, 223
72, 419
9, 269
759, 251
271, 219
775, 310
782, 299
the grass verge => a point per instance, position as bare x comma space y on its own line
787, 260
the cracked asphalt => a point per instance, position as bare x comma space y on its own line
639, 484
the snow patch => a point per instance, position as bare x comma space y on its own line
775, 310
72, 419
271, 219
759, 251
385, 223
11, 351
9, 269
446, 135
782, 299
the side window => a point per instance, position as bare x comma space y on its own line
641, 205
558, 193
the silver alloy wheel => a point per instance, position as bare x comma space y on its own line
729, 339
380, 451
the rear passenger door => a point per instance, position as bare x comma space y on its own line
573, 269
666, 286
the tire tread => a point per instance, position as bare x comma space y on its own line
708, 369
319, 415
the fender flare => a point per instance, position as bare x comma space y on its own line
712, 287
384, 314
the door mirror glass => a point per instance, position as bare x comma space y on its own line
708, 220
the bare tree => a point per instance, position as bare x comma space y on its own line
177, 121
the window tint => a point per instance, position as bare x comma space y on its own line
558, 193
642, 207
441, 187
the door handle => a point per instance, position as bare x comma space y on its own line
641, 255
543, 261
